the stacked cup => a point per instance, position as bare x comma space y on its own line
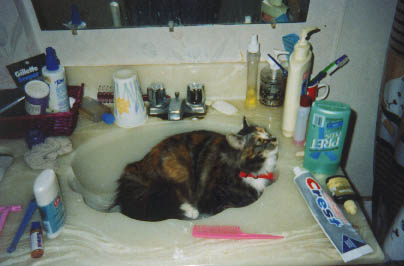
129, 109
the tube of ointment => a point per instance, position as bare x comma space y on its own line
329, 216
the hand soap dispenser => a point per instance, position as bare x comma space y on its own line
253, 59
300, 63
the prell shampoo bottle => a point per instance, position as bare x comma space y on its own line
298, 78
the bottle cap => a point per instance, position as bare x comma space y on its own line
108, 118
35, 225
253, 46
51, 59
305, 101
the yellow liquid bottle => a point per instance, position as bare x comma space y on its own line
253, 59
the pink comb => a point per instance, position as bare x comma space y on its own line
5, 211
227, 232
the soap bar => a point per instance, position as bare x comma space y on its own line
225, 107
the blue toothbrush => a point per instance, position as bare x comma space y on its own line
25, 220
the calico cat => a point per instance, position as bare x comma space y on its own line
197, 173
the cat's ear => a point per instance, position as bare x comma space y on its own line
236, 141
245, 123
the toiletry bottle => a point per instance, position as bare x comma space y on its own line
272, 82
342, 192
300, 63
94, 109
327, 127
303, 113
253, 59
36, 240
54, 75
50, 203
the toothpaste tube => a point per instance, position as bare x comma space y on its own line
329, 216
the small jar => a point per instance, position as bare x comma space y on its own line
36, 240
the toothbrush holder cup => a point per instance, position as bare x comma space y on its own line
318, 91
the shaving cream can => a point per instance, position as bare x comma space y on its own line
58, 97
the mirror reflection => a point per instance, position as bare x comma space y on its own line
101, 14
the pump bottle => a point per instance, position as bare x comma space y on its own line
253, 59
298, 78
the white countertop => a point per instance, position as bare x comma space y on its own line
91, 237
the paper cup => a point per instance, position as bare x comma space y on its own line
36, 97
129, 109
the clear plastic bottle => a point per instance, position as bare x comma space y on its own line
300, 63
272, 82
253, 59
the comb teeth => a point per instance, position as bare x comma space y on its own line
227, 232
222, 229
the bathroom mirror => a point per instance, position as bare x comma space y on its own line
104, 14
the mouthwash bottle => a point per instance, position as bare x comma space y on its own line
327, 127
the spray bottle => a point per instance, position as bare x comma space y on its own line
298, 78
253, 59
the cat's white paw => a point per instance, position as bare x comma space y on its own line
189, 211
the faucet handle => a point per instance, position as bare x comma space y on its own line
196, 93
157, 94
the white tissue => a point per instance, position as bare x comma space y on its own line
43, 156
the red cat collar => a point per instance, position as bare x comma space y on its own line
269, 176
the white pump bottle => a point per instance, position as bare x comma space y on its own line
300, 63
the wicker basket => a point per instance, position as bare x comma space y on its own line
57, 124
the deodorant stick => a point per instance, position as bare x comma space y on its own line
50, 203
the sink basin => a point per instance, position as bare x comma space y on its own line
98, 164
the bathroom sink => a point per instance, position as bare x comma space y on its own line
94, 235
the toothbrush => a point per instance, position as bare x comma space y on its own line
285, 72
330, 69
20, 231
227, 232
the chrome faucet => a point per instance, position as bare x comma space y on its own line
175, 108
158, 99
